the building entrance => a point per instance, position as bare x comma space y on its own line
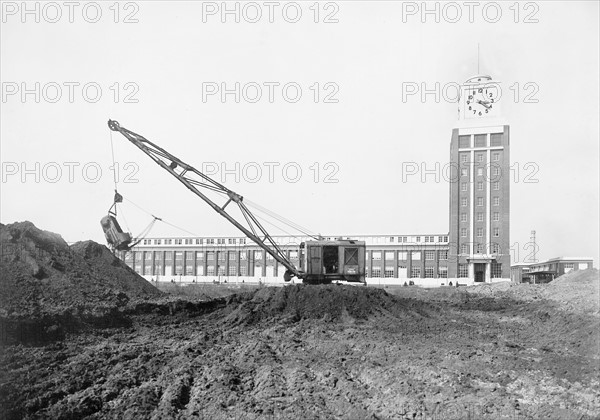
479, 272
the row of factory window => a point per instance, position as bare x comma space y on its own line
196, 241
428, 273
479, 157
479, 217
415, 272
429, 255
210, 255
232, 270
480, 248
480, 232
404, 255
464, 186
464, 142
374, 272
426, 239
495, 172
292, 240
464, 202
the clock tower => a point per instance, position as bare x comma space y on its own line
479, 185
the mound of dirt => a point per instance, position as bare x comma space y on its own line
577, 291
326, 302
40, 274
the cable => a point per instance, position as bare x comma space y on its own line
278, 217
281, 219
112, 151
181, 229
125, 220
161, 219
279, 228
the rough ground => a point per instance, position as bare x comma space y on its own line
48, 287
333, 352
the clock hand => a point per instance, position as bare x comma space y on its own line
484, 103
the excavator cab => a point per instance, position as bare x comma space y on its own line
327, 261
115, 236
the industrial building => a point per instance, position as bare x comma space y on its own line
476, 248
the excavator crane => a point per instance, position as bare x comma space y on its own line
321, 261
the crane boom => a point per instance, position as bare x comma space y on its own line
193, 179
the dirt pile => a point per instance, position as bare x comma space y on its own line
325, 302
577, 291
48, 288
41, 273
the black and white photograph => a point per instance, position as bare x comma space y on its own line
311, 209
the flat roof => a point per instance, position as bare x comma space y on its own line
552, 260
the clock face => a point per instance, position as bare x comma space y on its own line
479, 101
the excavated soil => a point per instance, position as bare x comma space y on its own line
321, 352
48, 288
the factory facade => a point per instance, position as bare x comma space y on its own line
476, 248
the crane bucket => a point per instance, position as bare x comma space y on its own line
114, 234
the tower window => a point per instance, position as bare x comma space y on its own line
496, 216
496, 157
480, 201
480, 217
480, 232
464, 172
496, 232
479, 171
463, 232
496, 201
480, 140
496, 270
480, 186
464, 142
463, 201
463, 217
496, 185
496, 139
463, 186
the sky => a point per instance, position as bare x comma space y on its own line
337, 103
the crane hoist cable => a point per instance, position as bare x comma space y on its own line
115, 236
161, 219
281, 219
